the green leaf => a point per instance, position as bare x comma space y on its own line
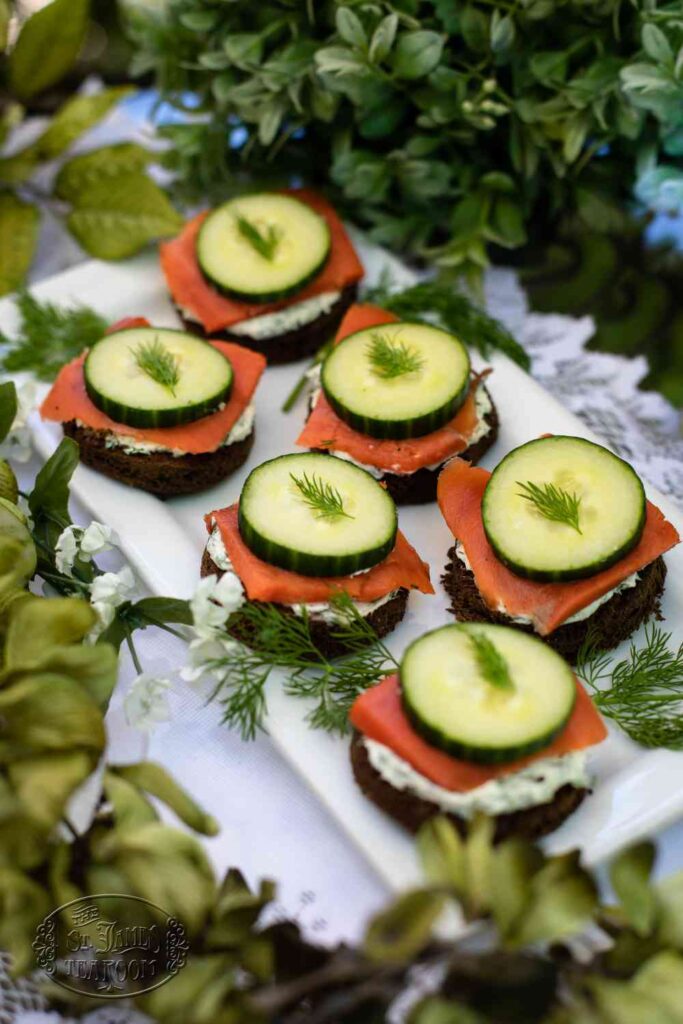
656, 45
383, 38
116, 217
199, 21
340, 61
563, 900
77, 116
350, 28
417, 53
401, 932
45, 784
434, 1010
5, 15
108, 162
58, 623
475, 29
245, 49
50, 494
153, 779
19, 226
164, 609
8, 407
549, 66
442, 853
630, 876
515, 862
506, 223
48, 46
502, 32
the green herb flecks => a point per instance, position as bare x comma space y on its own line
49, 336
264, 242
391, 357
645, 695
269, 640
491, 662
158, 363
320, 496
553, 503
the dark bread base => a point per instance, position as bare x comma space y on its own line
613, 621
382, 619
419, 488
158, 473
412, 811
292, 345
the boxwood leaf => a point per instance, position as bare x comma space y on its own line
106, 162
350, 28
19, 224
47, 46
116, 217
383, 38
417, 53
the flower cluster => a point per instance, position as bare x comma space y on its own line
214, 601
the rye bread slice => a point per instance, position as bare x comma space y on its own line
419, 488
612, 622
412, 811
382, 619
291, 345
159, 473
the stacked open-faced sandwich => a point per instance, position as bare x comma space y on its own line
559, 540
274, 271
159, 409
399, 399
479, 719
308, 527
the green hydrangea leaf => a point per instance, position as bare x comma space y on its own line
77, 116
399, 933
19, 226
153, 779
115, 218
48, 45
81, 172
45, 784
8, 407
58, 622
630, 876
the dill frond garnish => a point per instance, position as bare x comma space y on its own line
320, 496
553, 503
270, 641
491, 662
645, 692
264, 242
391, 357
158, 363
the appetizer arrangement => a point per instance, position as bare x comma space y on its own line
479, 718
159, 409
399, 399
274, 271
559, 540
308, 527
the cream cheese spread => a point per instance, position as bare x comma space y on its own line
584, 613
269, 325
531, 786
134, 446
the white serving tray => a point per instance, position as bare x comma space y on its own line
636, 792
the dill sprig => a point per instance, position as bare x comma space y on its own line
553, 502
439, 302
391, 357
320, 496
491, 662
49, 336
158, 363
645, 695
269, 640
265, 242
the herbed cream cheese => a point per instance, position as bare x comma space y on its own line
299, 314
320, 610
483, 405
584, 613
531, 786
134, 446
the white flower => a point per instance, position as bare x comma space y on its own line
146, 703
76, 542
213, 602
206, 657
17, 445
108, 591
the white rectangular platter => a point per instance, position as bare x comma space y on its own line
636, 791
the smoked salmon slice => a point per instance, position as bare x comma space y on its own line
459, 494
378, 714
324, 429
265, 582
215, 311
68, 400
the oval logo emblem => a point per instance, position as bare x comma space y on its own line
110, 945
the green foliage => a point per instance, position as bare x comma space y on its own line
47, 46
19, 222
49, 336
445, 127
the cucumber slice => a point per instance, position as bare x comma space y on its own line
605, 526
397, 380
156, 377
263, 247
316, 515
449, 695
